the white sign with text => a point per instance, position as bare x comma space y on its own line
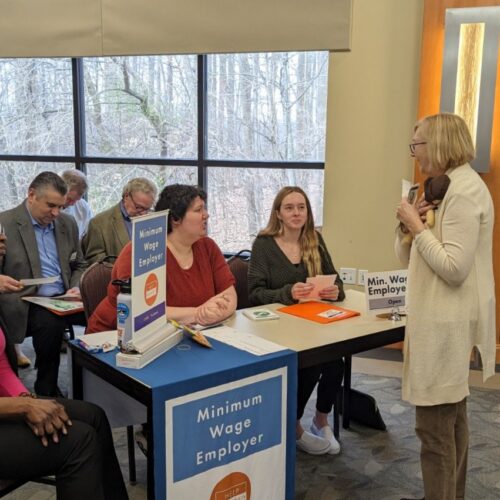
385, 290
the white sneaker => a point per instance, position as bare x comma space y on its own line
327, 434
314, 445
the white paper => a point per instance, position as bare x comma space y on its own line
405, 187
101, 339
320, 282
331, 313
199, 327
260, 314
39, 281
243, 341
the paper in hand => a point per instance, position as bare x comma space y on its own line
320, 282
39, 281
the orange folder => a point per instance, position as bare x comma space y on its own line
312, 311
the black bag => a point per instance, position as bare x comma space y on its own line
364, 410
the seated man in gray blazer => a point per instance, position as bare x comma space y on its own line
41, 242
111, 230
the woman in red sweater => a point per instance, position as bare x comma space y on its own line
200, 286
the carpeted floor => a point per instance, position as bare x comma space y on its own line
372, 465
385, 465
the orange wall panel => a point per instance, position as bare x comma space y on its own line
430, 91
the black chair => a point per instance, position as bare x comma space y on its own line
239, 267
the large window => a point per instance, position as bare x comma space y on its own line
240, 125
141, 106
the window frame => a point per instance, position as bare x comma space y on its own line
202, 163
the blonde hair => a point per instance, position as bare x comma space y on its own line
308, 239
449, 143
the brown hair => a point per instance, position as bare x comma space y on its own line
449, 142
308, 239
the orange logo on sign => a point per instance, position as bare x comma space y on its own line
235, 486
151, 289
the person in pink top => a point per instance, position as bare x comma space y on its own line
200, 285
42, 437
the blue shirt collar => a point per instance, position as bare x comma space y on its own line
125, 215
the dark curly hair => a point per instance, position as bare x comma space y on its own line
177, 198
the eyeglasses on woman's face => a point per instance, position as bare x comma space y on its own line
412, 146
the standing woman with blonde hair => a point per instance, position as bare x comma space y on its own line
284, 254
451, 300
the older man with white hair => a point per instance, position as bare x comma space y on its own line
76, 205
111, 230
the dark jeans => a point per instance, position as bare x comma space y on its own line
84, 461
47, 330
329, 378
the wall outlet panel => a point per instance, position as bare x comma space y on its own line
348, 275
362, 276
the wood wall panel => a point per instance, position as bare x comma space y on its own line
430, 91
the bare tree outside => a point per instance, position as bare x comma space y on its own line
141, 106
266, 107
263, 107
107, 181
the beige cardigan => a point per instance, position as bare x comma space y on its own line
451, 294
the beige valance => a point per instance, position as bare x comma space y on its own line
58, 28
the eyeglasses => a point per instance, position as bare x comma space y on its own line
412, 146
141, 209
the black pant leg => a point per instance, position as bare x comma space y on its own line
76, 460
329, 384
306, 380
112, 479
47, 330
76, 319
83, 461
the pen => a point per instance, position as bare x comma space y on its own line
198, 336
181, 327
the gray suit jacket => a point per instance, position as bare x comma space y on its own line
106, 235
23, 261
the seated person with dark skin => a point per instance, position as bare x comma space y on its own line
284, 254
200, 285
42, 437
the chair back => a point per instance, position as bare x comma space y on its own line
94, 285
238, 264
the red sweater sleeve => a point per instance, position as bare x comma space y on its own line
104, 316
208, 276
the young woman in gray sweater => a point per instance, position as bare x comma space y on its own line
284, 254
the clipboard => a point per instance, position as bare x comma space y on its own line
319, 312
61, 307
